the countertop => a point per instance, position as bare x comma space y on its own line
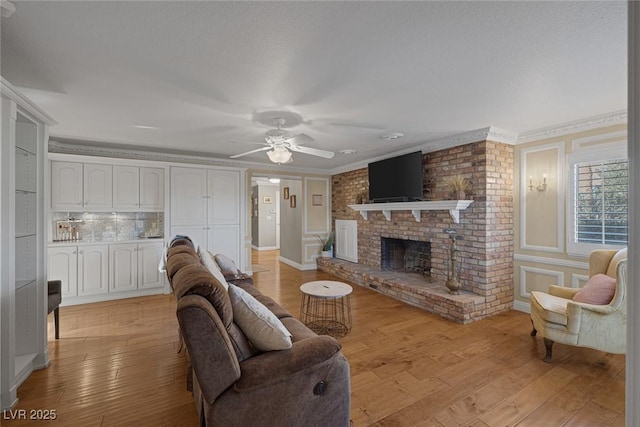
86, 242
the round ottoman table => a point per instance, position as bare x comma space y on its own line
326, 307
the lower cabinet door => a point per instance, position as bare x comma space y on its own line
149, 256
123, 267
63, 266
93, 270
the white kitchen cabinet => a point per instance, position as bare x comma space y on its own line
205, 205
23, 312
188, 196
138, 188
66, 186
63, 266
126, 188
123, 267
83, 270
151, 189
98, 186
149, 256
223, 197
93, 270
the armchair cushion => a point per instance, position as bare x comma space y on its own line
550, 308
598, 290
263, 329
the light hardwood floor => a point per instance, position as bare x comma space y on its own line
117, 364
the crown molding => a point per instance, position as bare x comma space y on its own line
9, 91
595, 122
86, 149
484, 134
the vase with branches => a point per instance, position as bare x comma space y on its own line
458, 186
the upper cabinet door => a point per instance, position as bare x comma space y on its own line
152, 189
98, 186
223, 197
188, 196
126, 184
66, 186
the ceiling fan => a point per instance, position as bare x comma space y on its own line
281, 143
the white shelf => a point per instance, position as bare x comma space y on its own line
453, 206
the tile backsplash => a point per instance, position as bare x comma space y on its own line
106, 226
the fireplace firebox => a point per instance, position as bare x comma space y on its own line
410, 256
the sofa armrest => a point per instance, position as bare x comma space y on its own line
272, 367
563, 292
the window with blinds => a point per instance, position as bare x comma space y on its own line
600, 202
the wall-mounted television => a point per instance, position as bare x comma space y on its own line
397, 179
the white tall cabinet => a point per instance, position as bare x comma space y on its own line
206, 206
23, 293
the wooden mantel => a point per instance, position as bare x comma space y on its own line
453, 206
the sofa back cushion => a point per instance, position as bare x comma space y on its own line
178, 257
196, 279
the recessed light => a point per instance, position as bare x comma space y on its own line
391, 136
348, 151
274, 180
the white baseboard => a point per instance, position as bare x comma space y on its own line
264, 248
522, 306
68, 301
298, 266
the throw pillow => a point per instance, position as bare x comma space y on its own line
263, 329
598, 290
226, 264
207, 260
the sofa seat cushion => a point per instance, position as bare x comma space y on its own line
267, 301
263, 329
553, 309
297, 329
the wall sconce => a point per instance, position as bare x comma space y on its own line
541, 186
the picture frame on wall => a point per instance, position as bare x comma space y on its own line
266, 199
292, 201
285, 193
316, 200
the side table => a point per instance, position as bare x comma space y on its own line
326, 307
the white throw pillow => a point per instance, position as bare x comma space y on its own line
207, 260
265, 331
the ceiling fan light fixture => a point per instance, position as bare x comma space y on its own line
279, 155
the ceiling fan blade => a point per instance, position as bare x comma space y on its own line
246, 142
312, 151
235, 156
300, 139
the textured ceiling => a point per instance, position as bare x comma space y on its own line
204, 73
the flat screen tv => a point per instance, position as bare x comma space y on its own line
398, 179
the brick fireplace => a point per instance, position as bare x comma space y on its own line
409, 256
486, 227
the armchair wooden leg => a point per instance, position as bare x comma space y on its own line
548, 345
533, 331
56, 321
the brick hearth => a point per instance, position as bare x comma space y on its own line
486, 253
411, 288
